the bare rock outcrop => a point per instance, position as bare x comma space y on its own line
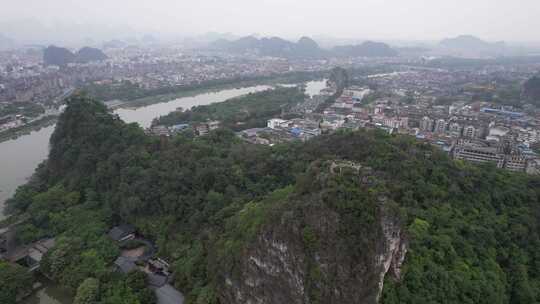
312, 253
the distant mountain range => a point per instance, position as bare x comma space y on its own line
366, 49
472, 43
59, 56
54, 55
275, 47
303, 48
88, 54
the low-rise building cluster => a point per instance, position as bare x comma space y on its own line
198, 129
472, 131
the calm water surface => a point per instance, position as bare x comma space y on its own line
50, 293
19, 158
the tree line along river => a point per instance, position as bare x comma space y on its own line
20, 157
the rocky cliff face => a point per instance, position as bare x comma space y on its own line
306, 256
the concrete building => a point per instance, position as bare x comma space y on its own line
396, 122
440, 126
516, 163
511, 160
332, 122
478, 154
202, 129
455, 129
426, 124
212, 125
275, 123
470, 132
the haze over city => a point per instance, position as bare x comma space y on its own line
269, 151
492, 20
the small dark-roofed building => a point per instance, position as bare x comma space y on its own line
124, 264
169, 295
5, 240
40, 248
122, 233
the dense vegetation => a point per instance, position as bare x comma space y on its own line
506, 93
28, 109
14, 281
249, 111
473, 230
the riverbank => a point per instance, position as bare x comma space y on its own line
123, 100
150, 100
26, 129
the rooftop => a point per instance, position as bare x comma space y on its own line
119, 232
169, 295
125, 264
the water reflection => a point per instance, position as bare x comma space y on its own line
49, 294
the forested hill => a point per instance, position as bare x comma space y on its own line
59, 56
321, 222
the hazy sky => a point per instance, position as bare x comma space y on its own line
511, 20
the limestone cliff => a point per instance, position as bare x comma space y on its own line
317, 249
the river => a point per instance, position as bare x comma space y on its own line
20, 157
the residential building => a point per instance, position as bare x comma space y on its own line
516, 163
470, 132
275, 123
455, 129
479, 154
440, 126
426, 124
